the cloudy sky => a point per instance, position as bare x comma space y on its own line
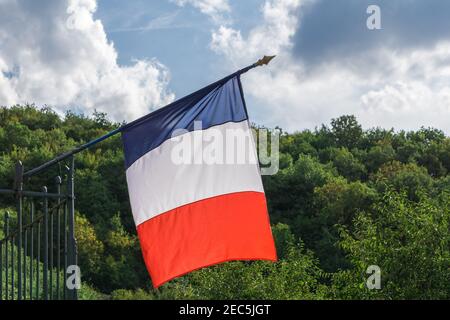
128, 58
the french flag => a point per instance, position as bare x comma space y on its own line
194, 184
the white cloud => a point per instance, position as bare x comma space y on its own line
415, 93
54, 52
271, 37
217, 10
382, 88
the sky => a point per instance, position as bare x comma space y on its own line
128, 58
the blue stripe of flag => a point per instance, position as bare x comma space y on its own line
216, 104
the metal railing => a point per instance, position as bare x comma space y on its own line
39, 242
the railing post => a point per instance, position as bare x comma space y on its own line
51, 265
45, 275
38, 260
24, 262
72, 245
12, 267
18, 183
58, 182
6, 226
65, 252
1, 271
31, 247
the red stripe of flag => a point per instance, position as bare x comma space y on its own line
215, 230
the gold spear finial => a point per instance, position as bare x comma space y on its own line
264, 61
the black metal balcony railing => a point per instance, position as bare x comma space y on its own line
39, 242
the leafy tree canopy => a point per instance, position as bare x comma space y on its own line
345, 198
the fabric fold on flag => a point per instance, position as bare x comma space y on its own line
194, 184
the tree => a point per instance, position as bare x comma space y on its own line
347, 164
408, 240
337, 202
344, 197
410, 178
347, 131
90, 248
290, 192
382, 153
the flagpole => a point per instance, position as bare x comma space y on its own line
261, 62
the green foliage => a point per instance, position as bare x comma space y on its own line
90, 248
12, 250
139, 294
345, 162
87, 292
337, 202
408, 240
296, 276
344, 198
408, 177
346, 131
378, 155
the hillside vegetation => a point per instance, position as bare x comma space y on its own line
345, 198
